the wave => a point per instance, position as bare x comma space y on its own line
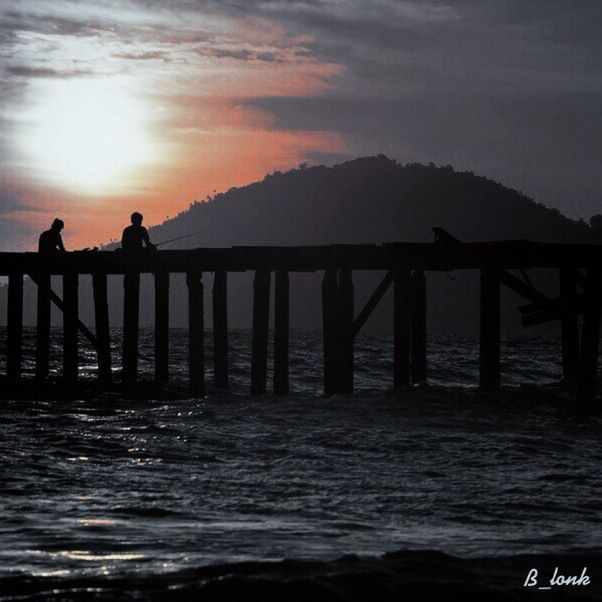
403, 575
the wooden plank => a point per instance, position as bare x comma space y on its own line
162, 327
70, 333
220, 329
590, 341
554, 308
43, 327
541, 317
14, 325
489, 349
374, 300
329, 330
345, 332
569, 323
281, 333
261, 314
131, 315
196, 333
501, 255
512, 282
552, 313
402, 316
101, 323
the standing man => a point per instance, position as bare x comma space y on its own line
51, 241
136, 235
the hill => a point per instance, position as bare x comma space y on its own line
367, 200
371, 199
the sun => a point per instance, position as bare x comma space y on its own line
88, 135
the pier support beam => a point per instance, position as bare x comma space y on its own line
101, 322
401, 327
70, 321
489, 349
43, 326
131, 314
281, 333
329, 330
261, 315
590, 341
196, 333
14, 327
338, 330
220, 330
569, 323
162, 327
345, 332
418, 327
373, 301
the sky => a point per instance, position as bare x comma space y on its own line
108, 107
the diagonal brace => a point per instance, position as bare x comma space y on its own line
374, 300
59, 303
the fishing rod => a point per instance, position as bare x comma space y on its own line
184, 236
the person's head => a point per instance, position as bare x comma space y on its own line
136, 218
57, 225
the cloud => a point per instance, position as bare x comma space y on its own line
15, 201
31, 72
9, 202
505, 87
46, 23
155, 55
16, 235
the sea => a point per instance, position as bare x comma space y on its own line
136, 491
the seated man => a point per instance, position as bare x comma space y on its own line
135, 235
50, 241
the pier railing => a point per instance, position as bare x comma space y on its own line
404, 264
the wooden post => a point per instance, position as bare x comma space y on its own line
14, 326
329, 328
569, 323
345, 331
43, 326
418, 327
489, 350
162, 327
196, 333
261, 315
590, 341
131, 312
401, 327
281, 333
101, 322
70, 333
220, 330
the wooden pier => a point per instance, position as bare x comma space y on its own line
405, 267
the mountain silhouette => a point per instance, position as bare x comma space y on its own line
369, 200
366, 200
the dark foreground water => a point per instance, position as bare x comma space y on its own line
94, 489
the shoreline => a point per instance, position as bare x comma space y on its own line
401, 575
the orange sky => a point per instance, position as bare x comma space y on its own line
153, 120
107, 107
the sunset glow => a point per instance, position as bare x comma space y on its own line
112, 107
88, 135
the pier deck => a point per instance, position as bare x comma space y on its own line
404, 264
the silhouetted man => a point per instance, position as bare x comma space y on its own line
136, 235
50, 240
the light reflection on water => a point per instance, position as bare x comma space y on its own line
99, 487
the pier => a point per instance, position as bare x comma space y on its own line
405, 266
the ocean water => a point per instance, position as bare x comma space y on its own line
96, 487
